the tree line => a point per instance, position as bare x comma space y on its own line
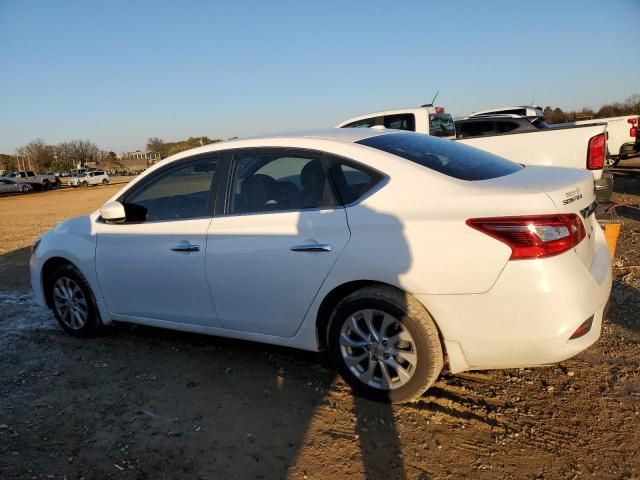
39, 156
628, 107
166, 149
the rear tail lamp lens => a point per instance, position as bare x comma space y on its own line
533, 236
633, 131
596, 152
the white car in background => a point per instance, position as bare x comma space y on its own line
394, 251
93, 177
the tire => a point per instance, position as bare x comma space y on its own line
84, 184
24, 189
402, 314
65, 283
105, 182
46, 185
612, 161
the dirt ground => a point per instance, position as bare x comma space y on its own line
146, 403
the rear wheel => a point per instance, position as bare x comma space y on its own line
104, 182
46, 185
385, 344
73, 303
612, 161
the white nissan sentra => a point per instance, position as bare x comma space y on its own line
394, 251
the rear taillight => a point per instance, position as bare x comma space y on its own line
596, 152
633, 131
533, 236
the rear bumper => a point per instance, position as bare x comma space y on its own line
528, 316
604, 187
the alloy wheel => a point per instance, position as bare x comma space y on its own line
70, 303
378, 349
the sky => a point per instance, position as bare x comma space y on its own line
119, 72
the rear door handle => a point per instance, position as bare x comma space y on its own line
186, 247
312, 247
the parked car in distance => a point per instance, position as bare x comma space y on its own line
87, 178
522, 110
37, 181
581, 146
389, 249
623, 139
482, 125
8, 185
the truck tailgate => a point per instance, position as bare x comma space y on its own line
557, 147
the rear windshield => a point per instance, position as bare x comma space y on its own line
441, 125
445, 156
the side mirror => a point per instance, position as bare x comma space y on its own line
113, 212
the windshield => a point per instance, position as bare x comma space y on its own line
445, 156
441, 125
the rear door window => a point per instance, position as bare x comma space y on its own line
441, 125
364, 123
450, 158
504, 127
476, 129
404, 121
268, 180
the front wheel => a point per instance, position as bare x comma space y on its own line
73, 303
84, 184
385, 344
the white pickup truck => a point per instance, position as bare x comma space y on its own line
622, 136
576, 146
37, 181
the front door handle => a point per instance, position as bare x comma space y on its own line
186, 247
312, 247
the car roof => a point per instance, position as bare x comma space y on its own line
347, 135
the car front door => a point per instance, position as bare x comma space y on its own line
279, 237
152, 266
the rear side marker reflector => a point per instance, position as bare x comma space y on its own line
533, 236
583, 329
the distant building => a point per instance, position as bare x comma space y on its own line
149, 157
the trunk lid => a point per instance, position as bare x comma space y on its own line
571, 190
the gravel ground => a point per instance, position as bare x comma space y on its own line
146, 403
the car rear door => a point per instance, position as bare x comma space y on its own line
281, 233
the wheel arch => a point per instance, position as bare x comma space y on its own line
340, 292
45, 276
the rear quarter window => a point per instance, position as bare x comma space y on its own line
441, 125
445, 156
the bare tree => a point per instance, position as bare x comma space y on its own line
35, 155
79, 151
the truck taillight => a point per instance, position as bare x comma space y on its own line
633, 131
533, 236
596, 152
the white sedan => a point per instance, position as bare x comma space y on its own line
394, 251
